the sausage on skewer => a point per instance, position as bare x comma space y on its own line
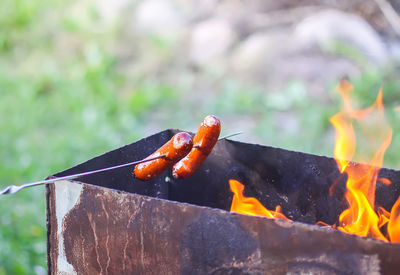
174, 150
203, 143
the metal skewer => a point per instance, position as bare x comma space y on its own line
224, 137
231, 135
12, 189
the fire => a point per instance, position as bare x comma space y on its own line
362, 217
251, 206
394, 222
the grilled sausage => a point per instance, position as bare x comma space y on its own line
203, 143
174, 150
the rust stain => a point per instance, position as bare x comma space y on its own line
127, 239
108, 237
96, 242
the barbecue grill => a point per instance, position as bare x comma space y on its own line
112, 223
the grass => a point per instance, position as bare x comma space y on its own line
64, 99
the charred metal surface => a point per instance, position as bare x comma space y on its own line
298, 182
117, 230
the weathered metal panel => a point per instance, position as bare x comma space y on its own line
102, 231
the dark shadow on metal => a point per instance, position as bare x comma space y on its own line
297, 181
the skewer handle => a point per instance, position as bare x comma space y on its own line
12, 189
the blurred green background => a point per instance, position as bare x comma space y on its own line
73, 86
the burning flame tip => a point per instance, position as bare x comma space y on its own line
344, 86
379, 100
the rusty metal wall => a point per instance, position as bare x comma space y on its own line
96, 230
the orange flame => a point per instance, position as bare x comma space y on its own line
251, 206
345, 137
360, 217
394, 222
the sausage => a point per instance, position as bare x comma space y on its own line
175, 149
203, 143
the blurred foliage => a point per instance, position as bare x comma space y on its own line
65, 99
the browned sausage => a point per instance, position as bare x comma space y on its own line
203, 143
174, 150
